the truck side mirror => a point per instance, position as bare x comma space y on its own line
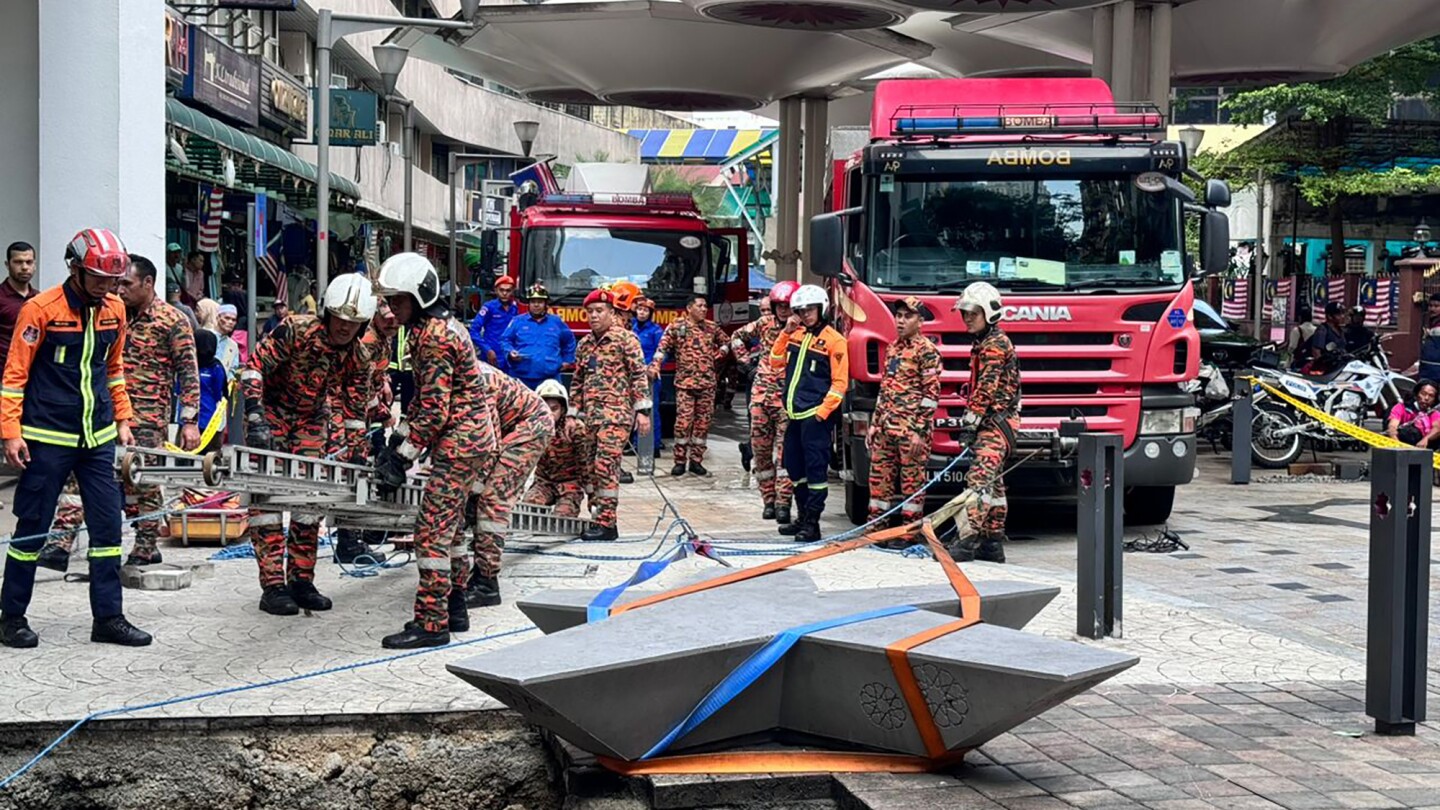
1217, 194
826, 247
1214, 242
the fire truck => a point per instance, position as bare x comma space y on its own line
1072, 205
605, 227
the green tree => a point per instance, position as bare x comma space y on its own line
1320, 154
672, 180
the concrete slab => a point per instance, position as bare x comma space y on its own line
161, 577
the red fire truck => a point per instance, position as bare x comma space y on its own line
575, 241
1071, 204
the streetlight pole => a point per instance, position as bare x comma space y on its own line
409, 145
331, 28
458, 161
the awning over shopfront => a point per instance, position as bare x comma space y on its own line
700, 145
269, 167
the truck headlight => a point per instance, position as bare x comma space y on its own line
1168, 421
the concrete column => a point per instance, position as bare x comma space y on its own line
787, 192
96, 155
1140, 62
816, 160
1102, 42
1161, 37
1122, 56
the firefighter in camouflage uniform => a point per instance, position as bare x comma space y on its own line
451, 418
523, 428
697, 345
899, 436
159, 360
610, 392
289, 383
559, 477
767, 406
991, 418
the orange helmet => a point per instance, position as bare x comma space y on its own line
98, 251
625, 293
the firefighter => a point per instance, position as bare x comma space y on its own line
816, 363
899, 436
523, 427
559, 477
538, 345
66, 365
610, 392
290, 382
452, 419
697, 345
767, 408
988, 427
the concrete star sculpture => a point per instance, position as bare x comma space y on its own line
625, 687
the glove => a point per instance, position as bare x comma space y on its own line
257, 433
391, 470
969, 428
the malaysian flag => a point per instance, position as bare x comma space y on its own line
372, 250
1377, 296
1236, 303
1325, 290
538, 173
209, 241
277, 276
1277, 287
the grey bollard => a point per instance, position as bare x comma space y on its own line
1399, 593
1100, 535
1242, 412
645, 442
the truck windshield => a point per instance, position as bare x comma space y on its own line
571, 262
1022, 233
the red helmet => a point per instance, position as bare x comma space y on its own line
781, 292
98, 251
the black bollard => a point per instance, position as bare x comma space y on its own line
1399, 609
1100, 550
1242, 412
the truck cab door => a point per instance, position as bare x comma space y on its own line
730, 257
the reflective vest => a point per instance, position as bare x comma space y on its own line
400, 358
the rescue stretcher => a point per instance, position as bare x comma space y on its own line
346, 495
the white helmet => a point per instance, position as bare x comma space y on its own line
809, 295
349, 298
981, 296
409, 273
552, 389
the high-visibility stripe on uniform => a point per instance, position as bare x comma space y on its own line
24, 556
101, 552
13, 393
49, 436
433, 563
87, 393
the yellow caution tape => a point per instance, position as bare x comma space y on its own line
217, 419
1336, 424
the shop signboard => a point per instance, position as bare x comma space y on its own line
284, 101
177, 48
222, 79
354, 118
263, 5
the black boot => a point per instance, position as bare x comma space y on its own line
963, 550
769, 513
481, 592
414, 637
305, 596
782, 514
696, 468
350, 549
678, 469
277, 601
117, 630
626, 477
153, 559
992, 549
793, 528
54, 558
459, 615
16, 632
809, 528
598, 534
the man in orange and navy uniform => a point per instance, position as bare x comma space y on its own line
63, 406
816, 364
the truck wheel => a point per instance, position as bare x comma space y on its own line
857, 502
1148, 506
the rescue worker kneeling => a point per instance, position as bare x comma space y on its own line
817, 372
453, 419
560, 475
289, 382
988, 428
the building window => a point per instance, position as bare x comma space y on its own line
1199, 105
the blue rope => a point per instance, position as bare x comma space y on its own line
232, 690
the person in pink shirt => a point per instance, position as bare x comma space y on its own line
1416, 422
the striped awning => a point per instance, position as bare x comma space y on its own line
698, 145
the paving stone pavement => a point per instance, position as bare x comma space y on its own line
1247, 693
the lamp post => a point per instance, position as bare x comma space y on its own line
390, 59
331, 28
1192, 136
525, 132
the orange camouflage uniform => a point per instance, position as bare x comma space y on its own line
767, 410
904, 414
560, 474
294, 375
995, 398
609, 387
696, 348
